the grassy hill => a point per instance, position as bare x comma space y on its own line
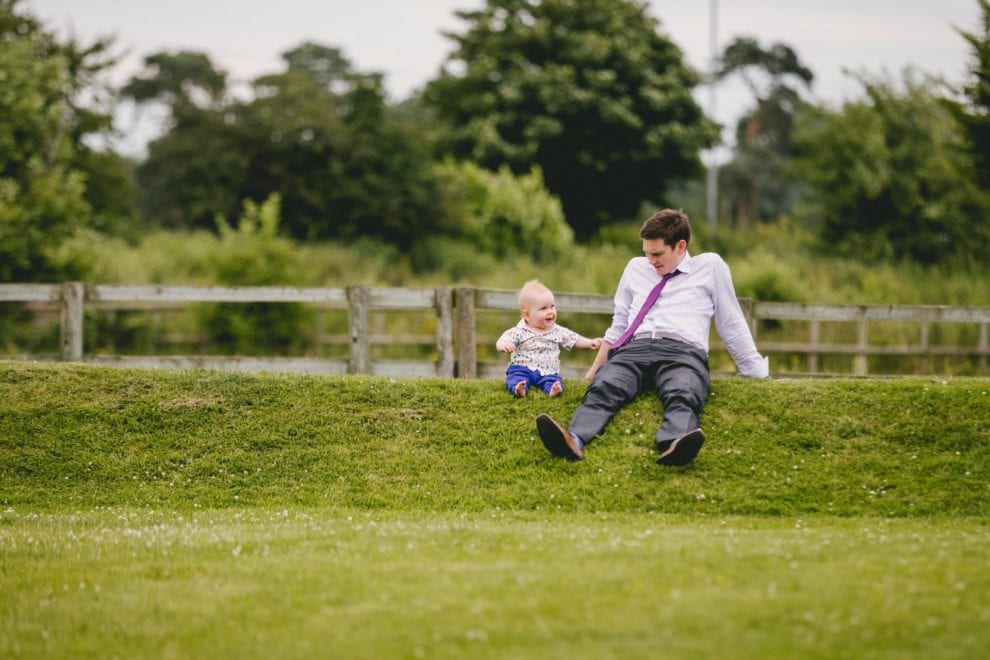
78, 436
199, 514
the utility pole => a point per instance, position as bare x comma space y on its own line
711, 183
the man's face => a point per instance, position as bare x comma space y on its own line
662, 257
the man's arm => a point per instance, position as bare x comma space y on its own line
600, 359
730, 322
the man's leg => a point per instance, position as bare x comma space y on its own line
617, 383
682, 381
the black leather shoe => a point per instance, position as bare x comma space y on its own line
556, 439
683, 450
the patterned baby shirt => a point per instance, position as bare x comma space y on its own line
540, 351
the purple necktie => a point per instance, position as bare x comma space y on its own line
650, 299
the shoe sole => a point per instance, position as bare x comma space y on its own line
684, 449
553, 438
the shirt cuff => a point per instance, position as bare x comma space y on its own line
757, 369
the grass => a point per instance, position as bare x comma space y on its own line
361, 584
203, 514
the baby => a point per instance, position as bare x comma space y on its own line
535, 343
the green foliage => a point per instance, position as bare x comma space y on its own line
51, 184
41, 196
318, 135
755, 183
111, 191
588, 90
450, 259
973, 112
763, 277
179, 80
253, 254
503, 214
889, 177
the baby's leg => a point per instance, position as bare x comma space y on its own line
551, 384
518, 378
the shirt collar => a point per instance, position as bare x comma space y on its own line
685, 265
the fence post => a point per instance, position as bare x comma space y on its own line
73, 297
445, 331
467, 349
357, 317
747, 305
862, 344
814, 333
982, 346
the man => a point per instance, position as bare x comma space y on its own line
661, 343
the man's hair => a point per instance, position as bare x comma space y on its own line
528, 290
670, 225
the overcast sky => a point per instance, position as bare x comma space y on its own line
402, 38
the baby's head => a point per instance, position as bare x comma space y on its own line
537, 305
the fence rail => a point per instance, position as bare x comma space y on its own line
456, 337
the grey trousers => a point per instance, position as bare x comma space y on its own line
677, 371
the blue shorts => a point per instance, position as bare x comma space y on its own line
516, 373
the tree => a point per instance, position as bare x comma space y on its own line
178, 80
192, 172
756, 181
588, 90
889, 176
47, 111
317, 133
973, 113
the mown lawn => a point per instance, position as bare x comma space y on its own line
201, 514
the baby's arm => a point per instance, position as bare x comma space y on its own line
505, 346
584, 342
505, 343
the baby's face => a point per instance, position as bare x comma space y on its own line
540, 311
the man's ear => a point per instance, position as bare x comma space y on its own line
681, 246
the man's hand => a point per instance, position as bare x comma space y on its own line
600, 359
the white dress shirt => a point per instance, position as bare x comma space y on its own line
701, 292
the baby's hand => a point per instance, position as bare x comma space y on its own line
596, 343
505, 346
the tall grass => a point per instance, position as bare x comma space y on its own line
777, 262
769, 262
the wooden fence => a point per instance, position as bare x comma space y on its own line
456, 338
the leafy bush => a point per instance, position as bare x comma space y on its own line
254, 254
504, 214
763, 277
456, 258
890, 177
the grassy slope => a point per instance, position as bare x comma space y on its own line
201, 514
77, 437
